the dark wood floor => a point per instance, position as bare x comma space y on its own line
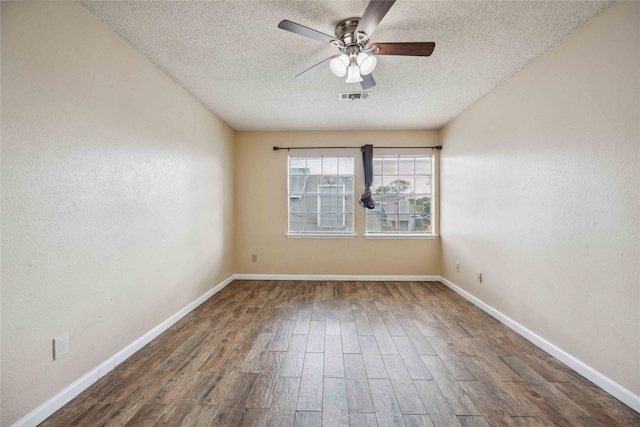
282, 353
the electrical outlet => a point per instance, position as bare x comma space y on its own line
457, 267
479, 276
60, 346
254, 258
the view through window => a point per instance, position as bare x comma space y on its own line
321, 196
402, 189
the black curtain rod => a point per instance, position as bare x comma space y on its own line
436, 147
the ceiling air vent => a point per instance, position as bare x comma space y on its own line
352, 96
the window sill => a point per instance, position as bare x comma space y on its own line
398, 236
321, 236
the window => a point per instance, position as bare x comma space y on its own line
402, 189
321, 196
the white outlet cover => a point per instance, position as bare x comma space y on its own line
61, 346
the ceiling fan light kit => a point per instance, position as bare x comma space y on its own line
353, 74
366, 62
339, 65
357, 58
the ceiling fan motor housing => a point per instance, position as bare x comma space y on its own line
351, 42
346, 30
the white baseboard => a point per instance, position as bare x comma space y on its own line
616, 390
49, 407
336, 277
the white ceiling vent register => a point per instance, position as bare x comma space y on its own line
352, 96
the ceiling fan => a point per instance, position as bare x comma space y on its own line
357, 57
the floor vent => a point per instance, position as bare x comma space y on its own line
352, 96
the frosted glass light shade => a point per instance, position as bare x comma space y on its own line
353, 74
366, 62
339, 65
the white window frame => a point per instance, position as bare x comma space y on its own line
408, 234
300, 198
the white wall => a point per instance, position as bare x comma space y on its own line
117, 198
540, 192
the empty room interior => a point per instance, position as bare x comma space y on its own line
264, 213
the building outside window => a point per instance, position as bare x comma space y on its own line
321, 195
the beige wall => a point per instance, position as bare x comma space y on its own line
539, 191
117, 198
261, 210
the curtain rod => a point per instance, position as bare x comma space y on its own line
436, 147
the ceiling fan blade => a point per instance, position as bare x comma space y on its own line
315, 69
305, 31
405, 49
367, 82
376, 10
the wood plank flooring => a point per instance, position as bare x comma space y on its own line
282, 353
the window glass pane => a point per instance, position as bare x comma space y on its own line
406, 166
348, 222
377, 166
347, 183
403, 206
389, 202
311, 203
420, 206
389, 166
314, 165
392, 223
348, 203
389, 184
296, 184
329, 165
346, 166
427, 212
376, 183
296, 222
404, 184
331, 222
297, 166
326, 188
374, 220
296, 205
423, 165
330, 204
423, 184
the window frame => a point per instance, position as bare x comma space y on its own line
305, 194
433, 201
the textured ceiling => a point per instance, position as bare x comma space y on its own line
233, 58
